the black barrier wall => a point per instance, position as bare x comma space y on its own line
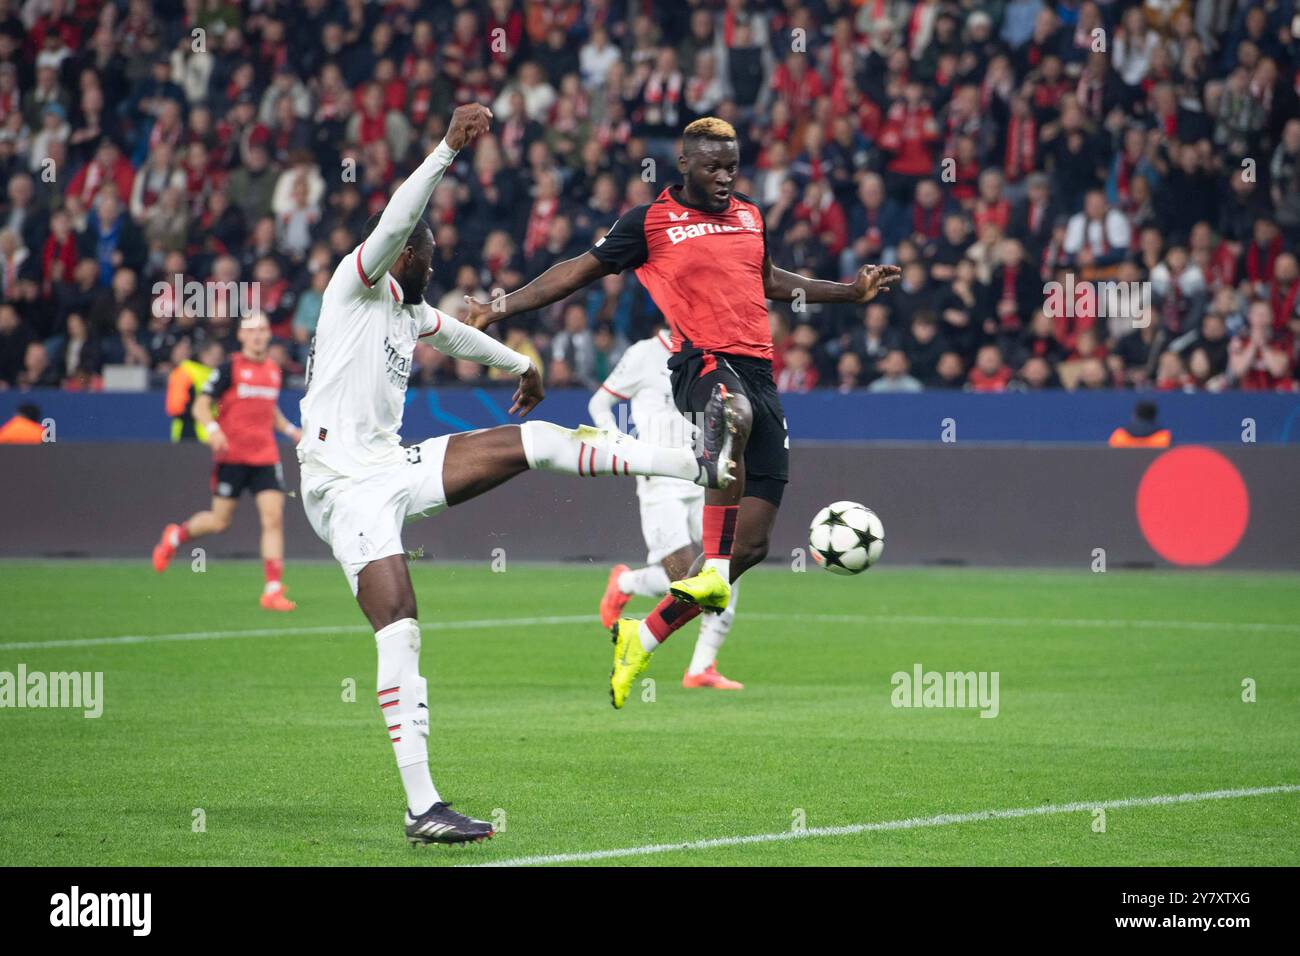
978, 505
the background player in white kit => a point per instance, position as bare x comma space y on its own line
671, 510
359, 485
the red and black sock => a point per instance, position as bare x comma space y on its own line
669, 615
719, 530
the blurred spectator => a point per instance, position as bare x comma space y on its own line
894, 375
990, 373
307, 312
574, 348
111, 238
1259, 357
1143, 431
848, 373
924, 343
24, 428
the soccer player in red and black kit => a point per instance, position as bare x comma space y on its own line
700, 249
246, 389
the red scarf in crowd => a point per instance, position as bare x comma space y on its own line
373, 127
927, 222
1123, 175
1022, 147
1257, 271
539, 224
55, 251
1222, 267
1283, 302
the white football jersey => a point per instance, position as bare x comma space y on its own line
357, 371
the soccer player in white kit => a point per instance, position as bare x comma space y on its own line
671, 510
360, 485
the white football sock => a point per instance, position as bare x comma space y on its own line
597, 452
648, 640
651, 581
404, 705
713, 632
722, 564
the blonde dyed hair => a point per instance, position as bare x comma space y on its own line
709, 127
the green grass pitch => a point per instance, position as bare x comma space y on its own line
1115, 685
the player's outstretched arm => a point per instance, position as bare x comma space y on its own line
560, 280
784, 286
409, 201
458, 340
601, 409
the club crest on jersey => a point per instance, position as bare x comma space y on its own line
746, 219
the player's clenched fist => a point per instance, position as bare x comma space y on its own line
467, 122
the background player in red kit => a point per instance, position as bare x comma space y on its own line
701, 252
246, 389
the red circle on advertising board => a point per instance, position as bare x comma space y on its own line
1192, 506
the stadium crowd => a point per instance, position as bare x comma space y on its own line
154, 147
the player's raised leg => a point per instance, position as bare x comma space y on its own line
387, 598
478, 461
213, 521
270, 510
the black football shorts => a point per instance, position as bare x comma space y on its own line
230, 481
767, 455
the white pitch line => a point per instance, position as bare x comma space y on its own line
1108, 624
911, 823
425, 627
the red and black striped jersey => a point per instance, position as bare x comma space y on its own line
703, 269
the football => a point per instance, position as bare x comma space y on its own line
846, 537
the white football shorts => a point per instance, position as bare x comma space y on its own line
671, 514
361, 518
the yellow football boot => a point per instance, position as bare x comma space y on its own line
708, 589
630, 659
